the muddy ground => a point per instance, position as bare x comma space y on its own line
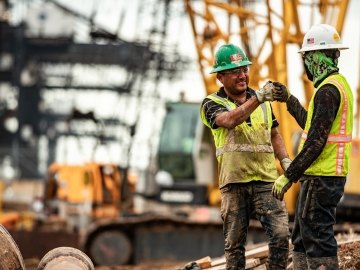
349, 256
349, 259
147, 266
31, 264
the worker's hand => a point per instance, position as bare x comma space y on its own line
281, 185
285, 163
265, 93
280, 93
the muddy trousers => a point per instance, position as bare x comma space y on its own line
300, 262
313, 236
240, 202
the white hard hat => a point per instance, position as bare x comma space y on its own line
322, 37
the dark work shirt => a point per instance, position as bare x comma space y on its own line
213, 109
326, 104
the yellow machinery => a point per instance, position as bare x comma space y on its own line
93, 184
264, 29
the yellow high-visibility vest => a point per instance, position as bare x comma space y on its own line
335, 158
244, 153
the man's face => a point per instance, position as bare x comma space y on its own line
236, 80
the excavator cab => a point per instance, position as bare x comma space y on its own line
186, 160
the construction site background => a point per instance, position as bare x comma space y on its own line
100, 138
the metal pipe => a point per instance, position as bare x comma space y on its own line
10, 256
65, 258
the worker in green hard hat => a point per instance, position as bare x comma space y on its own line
247, 143
228, 57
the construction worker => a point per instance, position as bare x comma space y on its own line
247, 141
324, 152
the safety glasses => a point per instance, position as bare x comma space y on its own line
244, 69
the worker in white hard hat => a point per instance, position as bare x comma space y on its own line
322, 162
247, 142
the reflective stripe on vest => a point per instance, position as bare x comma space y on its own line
244, 148
333, 138
341, 145
244, 153
232, 147
340, 138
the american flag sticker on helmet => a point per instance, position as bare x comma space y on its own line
235, 58
310, 41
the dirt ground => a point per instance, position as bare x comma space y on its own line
349, 256
349, 259
31, 264
147, 266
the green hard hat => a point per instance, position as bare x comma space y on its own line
229, 56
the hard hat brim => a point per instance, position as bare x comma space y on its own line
323, 47
230, 66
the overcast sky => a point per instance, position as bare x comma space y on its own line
132, 20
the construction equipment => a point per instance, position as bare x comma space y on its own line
186, 155
92, 189
182, 217
99, 200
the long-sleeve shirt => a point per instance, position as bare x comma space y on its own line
326, 104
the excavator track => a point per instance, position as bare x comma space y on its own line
144, 238
134, 240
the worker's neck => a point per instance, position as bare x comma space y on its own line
239, 98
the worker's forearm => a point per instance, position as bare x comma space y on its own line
278, 145
239, 115
297, 111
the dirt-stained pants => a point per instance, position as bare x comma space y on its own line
240, 202
315, 216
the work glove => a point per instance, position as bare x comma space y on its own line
265, 93
280, 92
285, 163
281, 185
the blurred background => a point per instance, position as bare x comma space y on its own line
100, 137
